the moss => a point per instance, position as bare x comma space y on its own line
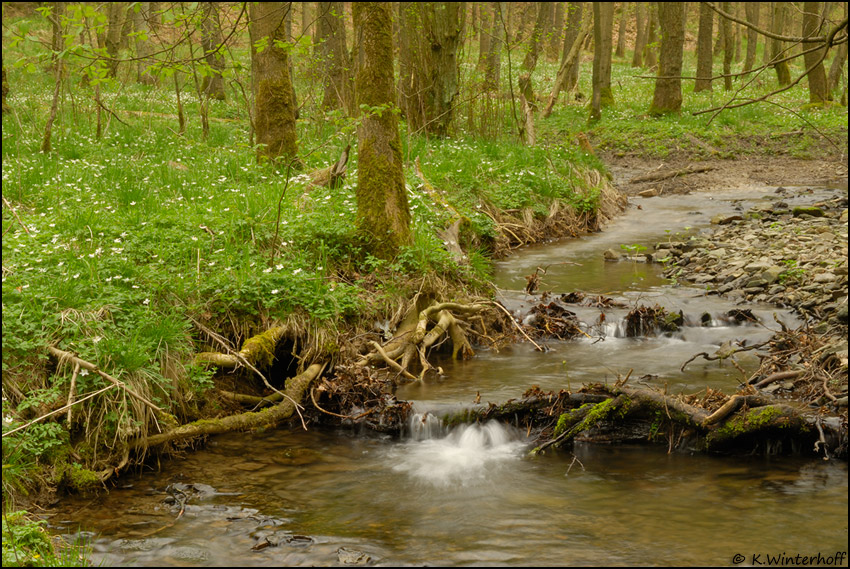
77, 478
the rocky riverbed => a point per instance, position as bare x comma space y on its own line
793, 257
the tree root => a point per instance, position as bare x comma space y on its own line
421, 331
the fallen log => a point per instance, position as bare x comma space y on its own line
296, 388
666, 174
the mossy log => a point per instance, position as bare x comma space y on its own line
620, 414
296, 388
257, 350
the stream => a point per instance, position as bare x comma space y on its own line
471, 495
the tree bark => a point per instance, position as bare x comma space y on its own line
668, 84
705, 56
383, 216
812, 24
274, 97
603, 22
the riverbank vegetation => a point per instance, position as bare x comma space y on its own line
145, 226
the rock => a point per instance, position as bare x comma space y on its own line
650, 193
824, 278
770, 274
724, 219
611, 255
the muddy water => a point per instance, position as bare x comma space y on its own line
472, 496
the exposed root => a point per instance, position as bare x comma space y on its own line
421, 331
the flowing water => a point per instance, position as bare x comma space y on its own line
471, 495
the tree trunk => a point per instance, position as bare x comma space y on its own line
211, 40
777, 49
603, 30
494, 53
650, 60
306, 20
812, 23
621, 32
535, 42
141, 17
571, 36
274, 97
728, 48
640, 37
752, 14
443, 30
668, 84
553, 41
6, 106
485, 25
705, 56
383, 216
117, 11
836, 69
334, 57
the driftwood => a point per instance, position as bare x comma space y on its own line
665, 174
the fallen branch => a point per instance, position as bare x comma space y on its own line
270, 417
665, 174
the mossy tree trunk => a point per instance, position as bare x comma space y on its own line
383, 216
812, 27
211, 40
704, 49
668, 84
333, 58
274, 97
603, 30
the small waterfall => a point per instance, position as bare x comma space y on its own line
461, 455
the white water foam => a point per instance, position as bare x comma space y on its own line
463, 456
